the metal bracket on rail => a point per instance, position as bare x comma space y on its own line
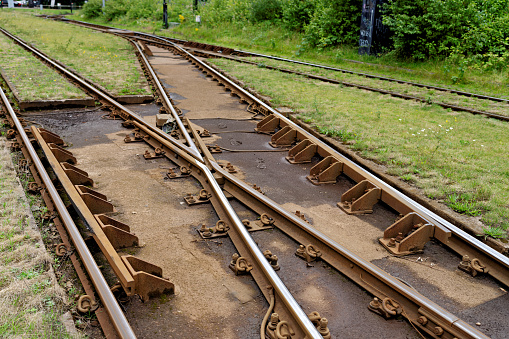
214, 149
136, 276
264, 223
360, 198
240, 265
472, 266
387, 307
61, 154
272, 259
308, 253
408, 235
326, 171
117, 232
184, 171
158, 153
203, 197
302, 153
219, 230
285, 137
76, 175
148, 278
96, 202
137, 137
268, 125
321, 324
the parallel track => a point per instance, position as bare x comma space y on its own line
213, 51
416, 305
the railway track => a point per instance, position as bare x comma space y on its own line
213, 51
186, 147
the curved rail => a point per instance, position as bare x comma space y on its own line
455, 323
368, 88
460, 239
117, 317
306, 326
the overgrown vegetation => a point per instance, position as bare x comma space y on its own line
466, 33
31, 301
103, 58
472, 33
32, 79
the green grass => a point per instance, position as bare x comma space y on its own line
267, 39
31, 302
103, 58
454, 157
32, 79
431, 96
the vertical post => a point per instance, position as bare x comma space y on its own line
165, 14
71, 7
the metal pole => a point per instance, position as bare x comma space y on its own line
165, 14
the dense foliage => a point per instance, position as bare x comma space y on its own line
473, 31
467, 32
335, 22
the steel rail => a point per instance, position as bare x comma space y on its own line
98, 93
459, 324
373, 76
456, 325
116, 315
368, 88
280, 289
162, 92
460, 241
348, 262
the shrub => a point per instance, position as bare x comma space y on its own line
115, 8
263, 10
335, 22
425, 29
144, 9
298, 13
93, 8
219, 11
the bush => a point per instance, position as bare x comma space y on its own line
215, 12
477, 30
115, 8
92, 9
263, 10
298, 13
335, 22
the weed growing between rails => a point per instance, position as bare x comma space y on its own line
105, 59
31, 301
442, 152
32, 79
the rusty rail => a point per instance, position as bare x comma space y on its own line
496, 264
351, 84
418, 309
116, 315
231, 51
451, 323
264, 273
